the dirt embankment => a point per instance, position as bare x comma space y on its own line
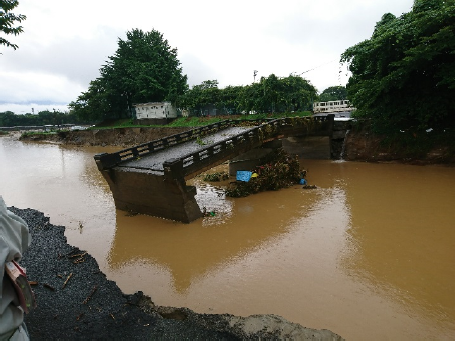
359, 144
124, 137
364, 146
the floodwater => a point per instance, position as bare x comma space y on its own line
369, 254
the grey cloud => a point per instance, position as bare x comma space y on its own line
336, 34
196, 70
75, 58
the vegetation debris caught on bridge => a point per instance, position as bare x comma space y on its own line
282, 170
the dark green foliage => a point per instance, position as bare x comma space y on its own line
403, 77
333, 93
143, 69
54, 117
201, 98
283, 171
417, 144
269, 95
216, 177
8, 20
273, 94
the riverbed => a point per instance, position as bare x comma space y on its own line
368, 254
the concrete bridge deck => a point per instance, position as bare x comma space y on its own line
156, 162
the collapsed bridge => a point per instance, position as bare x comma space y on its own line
151, 178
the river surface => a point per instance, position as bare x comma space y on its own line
369, 254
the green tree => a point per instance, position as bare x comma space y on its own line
404, 75
271, 94
94, 104
274, 94
297, 93
230, 99
201, 96
8, 21
54, 117
7, 119
143, 69
252, 98
333, 93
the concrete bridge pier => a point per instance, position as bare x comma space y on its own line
141, 191
254, 157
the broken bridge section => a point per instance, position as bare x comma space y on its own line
151, 178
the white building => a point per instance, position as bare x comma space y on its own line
155, 110
332, 106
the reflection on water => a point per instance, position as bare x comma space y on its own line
192, 251
412, 256
369, 254
64, 183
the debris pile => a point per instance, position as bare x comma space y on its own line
216, 177
283, 171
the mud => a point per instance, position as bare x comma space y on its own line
123, 137
363, 146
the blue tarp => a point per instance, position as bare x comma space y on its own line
244, 176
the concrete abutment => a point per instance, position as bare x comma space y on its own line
143, 192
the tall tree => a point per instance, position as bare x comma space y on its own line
404, 75
230, 99
333, 93
297, 93
200, 96
8, 21
143, 69
274, 94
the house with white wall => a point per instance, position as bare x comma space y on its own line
332, 106
155, 112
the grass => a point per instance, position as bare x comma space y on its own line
31, 133
180, 122
194, 121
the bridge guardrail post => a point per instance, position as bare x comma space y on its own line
173, 169
106, 160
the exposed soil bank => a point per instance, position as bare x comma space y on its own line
89, 306
123, 137
359, 145
364, 146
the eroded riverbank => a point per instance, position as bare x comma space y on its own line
359, 144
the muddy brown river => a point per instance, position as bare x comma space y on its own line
369, 254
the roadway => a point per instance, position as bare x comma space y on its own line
154, 162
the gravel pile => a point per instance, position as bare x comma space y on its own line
88, 306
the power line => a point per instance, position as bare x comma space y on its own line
317, 67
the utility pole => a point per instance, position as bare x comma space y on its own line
255, 72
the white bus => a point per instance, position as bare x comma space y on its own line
332, 106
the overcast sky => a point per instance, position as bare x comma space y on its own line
64, 43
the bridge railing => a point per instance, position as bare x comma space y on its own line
205, 157
109, 160
190, 162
